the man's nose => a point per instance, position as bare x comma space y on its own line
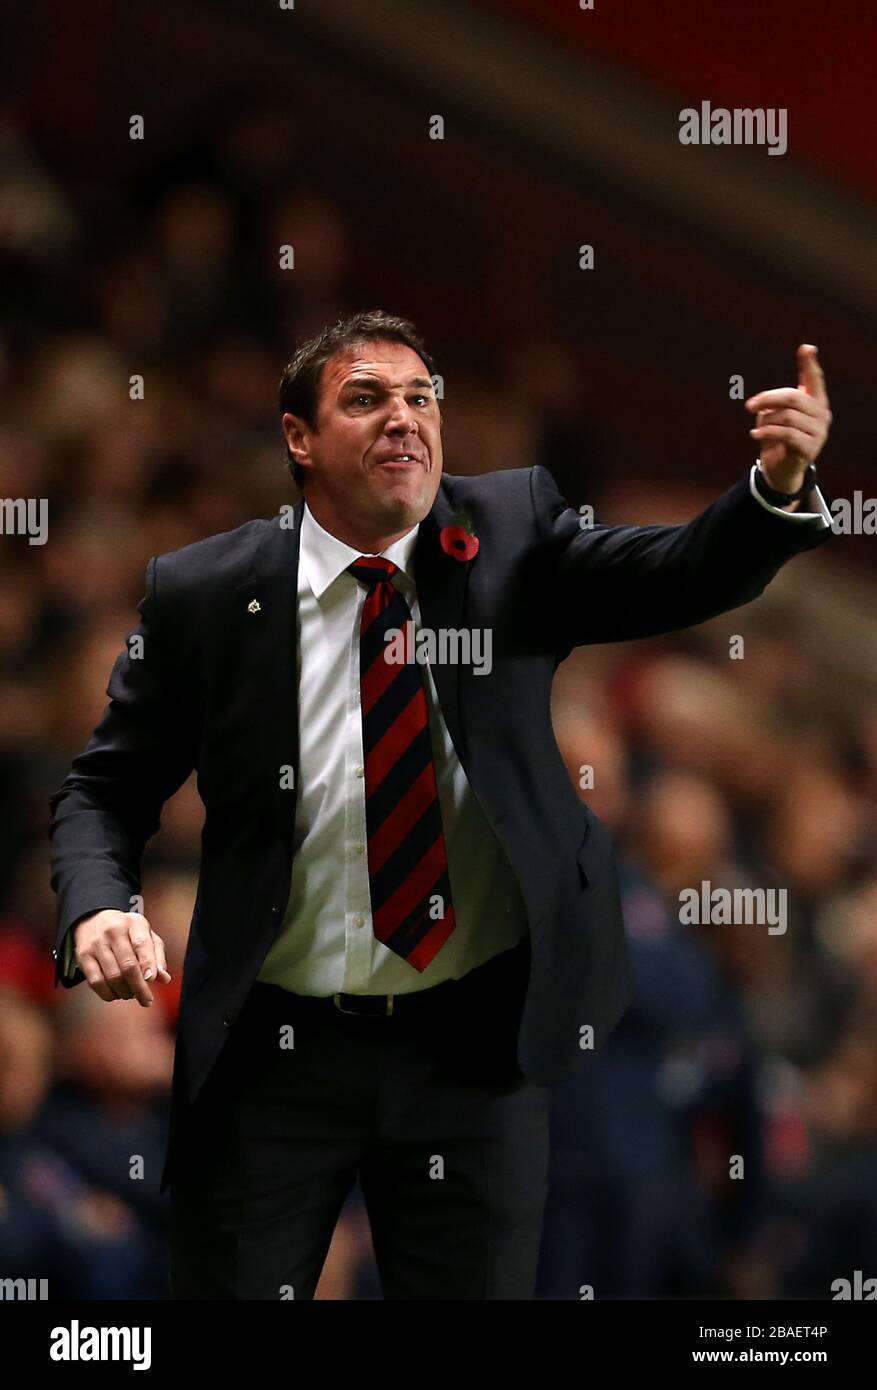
402, 420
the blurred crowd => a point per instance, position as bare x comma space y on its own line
724, 1143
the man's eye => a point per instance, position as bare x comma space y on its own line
363, 396
425, 399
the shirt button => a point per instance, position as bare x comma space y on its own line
360, 772
359, 921
359, 847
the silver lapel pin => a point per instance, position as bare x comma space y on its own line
254, 606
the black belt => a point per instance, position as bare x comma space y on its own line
448, 993
367, 1005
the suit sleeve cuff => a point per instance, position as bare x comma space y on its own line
820, 518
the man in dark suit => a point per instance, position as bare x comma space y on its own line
407, 923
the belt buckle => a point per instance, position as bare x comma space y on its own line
364, 1013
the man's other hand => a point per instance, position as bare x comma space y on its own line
117, 953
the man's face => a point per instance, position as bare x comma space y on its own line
376, 404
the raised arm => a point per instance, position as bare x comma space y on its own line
614, 583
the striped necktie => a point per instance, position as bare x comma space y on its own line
411, 905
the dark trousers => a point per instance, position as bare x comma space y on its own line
428, 1108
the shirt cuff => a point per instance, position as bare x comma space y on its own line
822, 518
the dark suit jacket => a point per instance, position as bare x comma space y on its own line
216, 690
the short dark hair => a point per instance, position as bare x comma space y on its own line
300, 383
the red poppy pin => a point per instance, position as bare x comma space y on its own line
458, 539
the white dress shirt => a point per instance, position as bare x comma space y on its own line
326, 944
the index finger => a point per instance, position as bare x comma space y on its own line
125, 952
140, 936
811, 377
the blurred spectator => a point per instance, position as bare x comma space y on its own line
56, 1222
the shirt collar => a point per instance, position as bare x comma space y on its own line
323, 556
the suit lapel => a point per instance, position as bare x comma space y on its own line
441, 593
267, 603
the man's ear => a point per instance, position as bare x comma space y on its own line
294, 429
